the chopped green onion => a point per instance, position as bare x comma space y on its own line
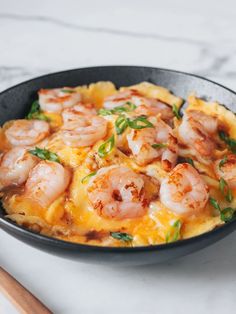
174, 234
225, 190
229, 196
159, 145
121, 124
35, 112
128, 107
214, 203
86, 178
229, 141
44, 154
222, 162
106, 147
68, 91
222, 185
122, 236
104, 112
227, 214
175, 110
140, 123
189, 161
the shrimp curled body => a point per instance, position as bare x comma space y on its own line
55, 100
183, 191
27, 132
85, 131
46, 182
142, 144
15, 167
116, 192
75, 112
145, 105
197, 130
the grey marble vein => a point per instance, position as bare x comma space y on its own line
103, 30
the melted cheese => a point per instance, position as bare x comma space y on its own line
71, 216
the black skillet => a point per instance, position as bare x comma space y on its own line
15, 103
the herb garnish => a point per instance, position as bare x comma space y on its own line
225, 190
159, 145
106, 147
140, 123
214, 203
222, 162
226, 214
174, 234
122, 236
86, 178
127, 107
44, 154
189, 161
175, 110
229, 141
104, 112
121, 124
68, 91
35, 112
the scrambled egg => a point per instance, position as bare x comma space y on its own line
71, 217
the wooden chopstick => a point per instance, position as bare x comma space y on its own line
24, 301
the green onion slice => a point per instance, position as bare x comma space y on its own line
128, 107
86, 178
222, 162
122, 236
229, 141
227, 214
104, 112
225, 190
214, 203
121, 124
35, 112
175, 110
68, 91
140, 123
44, 154
106, 147
159, 145
174, 234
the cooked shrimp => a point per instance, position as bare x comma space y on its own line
85, 131
54, 100
27, 132
15, 167
145, 106
46, 182
227, 171
197, 130
142, 144
72, 113
117, 192
184, 191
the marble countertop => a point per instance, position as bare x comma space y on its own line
193, 36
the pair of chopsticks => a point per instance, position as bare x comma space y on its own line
24, 301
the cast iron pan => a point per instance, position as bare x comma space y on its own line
15, 103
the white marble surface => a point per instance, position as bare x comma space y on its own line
43, 36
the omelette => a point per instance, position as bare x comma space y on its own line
112, 167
